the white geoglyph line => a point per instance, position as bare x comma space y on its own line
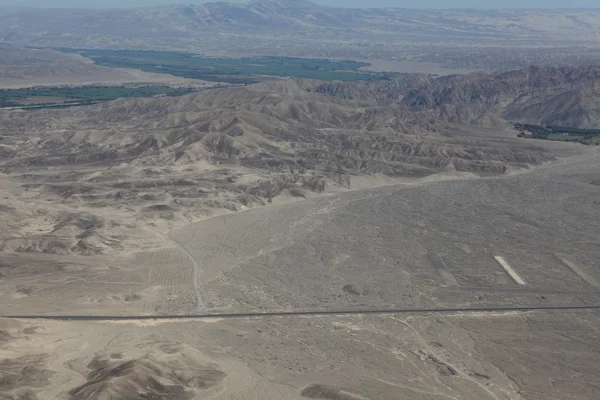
510, 271
579, 271
442, 269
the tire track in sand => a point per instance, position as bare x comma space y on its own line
197, 271
201, 304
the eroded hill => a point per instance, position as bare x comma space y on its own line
99, 179
564, 96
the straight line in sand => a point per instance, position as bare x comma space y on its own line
578, 271
509, 270
308, 313
442, 269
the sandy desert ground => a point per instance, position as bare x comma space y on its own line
424, 245
296, 239
141, 214
24, 68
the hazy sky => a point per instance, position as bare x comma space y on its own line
345, 3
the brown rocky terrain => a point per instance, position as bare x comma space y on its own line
391, 201
296, 239
564, 96
84, 180
360, 250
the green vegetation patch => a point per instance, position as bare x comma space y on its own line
80, 95
559, 133
230, 70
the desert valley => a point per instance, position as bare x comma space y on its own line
295, 224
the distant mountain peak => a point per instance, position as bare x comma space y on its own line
255, 3
303, 4
286, 2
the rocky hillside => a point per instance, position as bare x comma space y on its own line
280, 124
98, 179
564, 96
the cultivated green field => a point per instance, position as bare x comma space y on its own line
229, 70
559, 133
80, 95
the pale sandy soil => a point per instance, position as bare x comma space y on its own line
359, 249
24, 68
142, 208
409, 66
111, 77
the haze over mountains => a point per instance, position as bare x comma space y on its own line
501, 39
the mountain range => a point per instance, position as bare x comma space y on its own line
172, 160
565, 96
302, 28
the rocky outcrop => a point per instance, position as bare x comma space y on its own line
565, 96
